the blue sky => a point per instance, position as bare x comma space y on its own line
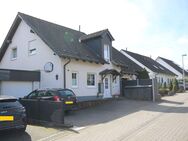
166, 33
149, 27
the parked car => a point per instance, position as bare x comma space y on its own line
12, 114
65, 95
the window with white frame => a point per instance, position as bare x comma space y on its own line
14, 53
107, 52
74, 79
90, 79
32, 47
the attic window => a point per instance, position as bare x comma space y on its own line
32, 47
14, 53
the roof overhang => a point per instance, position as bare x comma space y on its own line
9, 36
109, 71
113, 72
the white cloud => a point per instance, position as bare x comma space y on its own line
183, 41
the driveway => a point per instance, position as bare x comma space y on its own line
33, 133
132, 120
119, 120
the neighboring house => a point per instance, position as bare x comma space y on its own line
173, 67
59, 57
154, 69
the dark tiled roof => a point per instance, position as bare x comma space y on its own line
96, 34
119, 59
174, 65
150, 63
62, 40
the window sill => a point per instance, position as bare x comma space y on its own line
91, 87
12, 59
32, 54
75, 87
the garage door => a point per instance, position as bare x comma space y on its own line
14, 88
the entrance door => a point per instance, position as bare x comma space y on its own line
107, 87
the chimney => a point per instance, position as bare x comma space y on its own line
79, 27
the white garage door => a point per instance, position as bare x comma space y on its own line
14, 88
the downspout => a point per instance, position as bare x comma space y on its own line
69, 60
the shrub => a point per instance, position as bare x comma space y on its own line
180, 90
163, 91
175, 85
143, 74
164, 85
170, 86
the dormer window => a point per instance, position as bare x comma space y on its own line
107, 52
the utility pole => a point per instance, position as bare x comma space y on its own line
183, 75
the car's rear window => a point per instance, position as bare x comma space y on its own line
66, 93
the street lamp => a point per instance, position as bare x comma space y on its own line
183, 76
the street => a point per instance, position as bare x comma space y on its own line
120, 120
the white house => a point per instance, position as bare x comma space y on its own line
59, 57
154, 69
172, 66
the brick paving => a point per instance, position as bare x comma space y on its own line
164, 121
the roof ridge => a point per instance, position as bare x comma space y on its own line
96, 34
19, 13
138, 54
166, 59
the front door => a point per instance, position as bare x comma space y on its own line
107, 87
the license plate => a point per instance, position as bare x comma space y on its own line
6, 118
68, 102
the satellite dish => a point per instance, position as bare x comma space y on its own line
48, 67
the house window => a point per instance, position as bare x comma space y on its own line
32, 47
107, 53
90, 79
161, 80
14, 53
74, 79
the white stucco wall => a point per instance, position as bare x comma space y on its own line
82, 68
25, 61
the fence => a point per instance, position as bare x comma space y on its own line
141, 89
41, 111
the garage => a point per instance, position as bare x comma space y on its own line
18, 83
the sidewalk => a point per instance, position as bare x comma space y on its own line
167, 120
